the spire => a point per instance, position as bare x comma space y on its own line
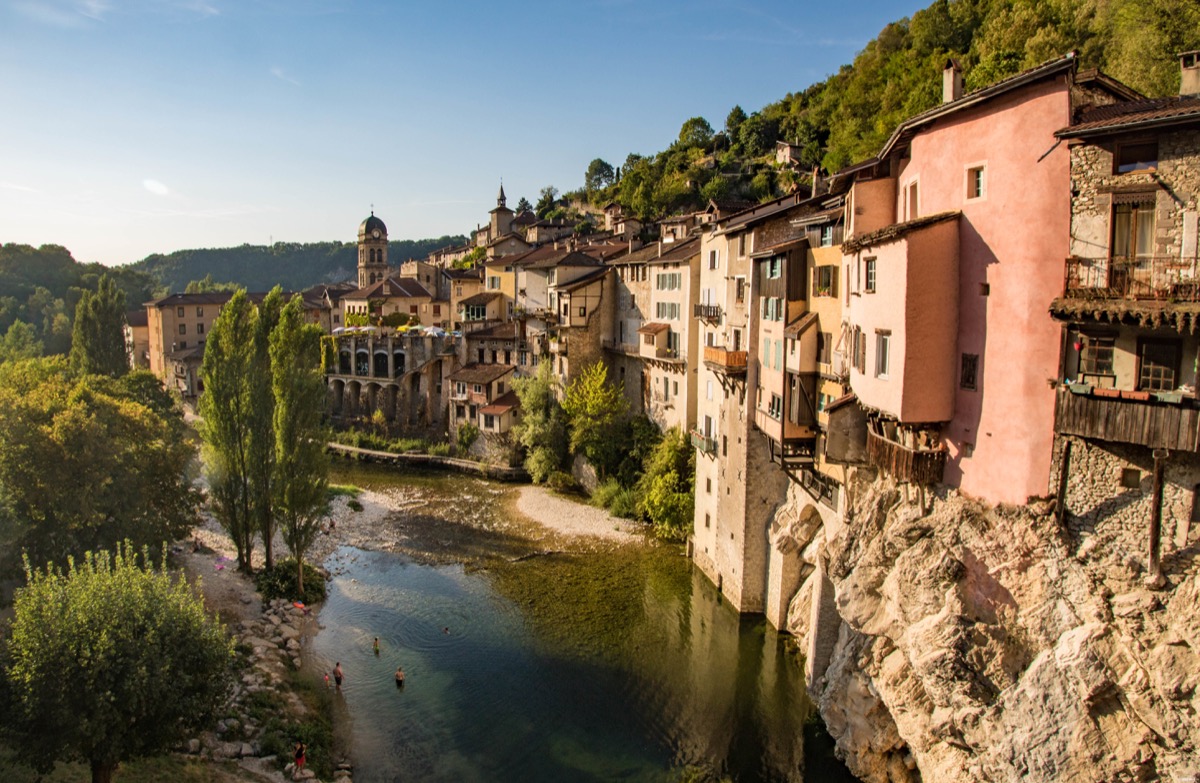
501, 200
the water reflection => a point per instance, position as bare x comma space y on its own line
622, 664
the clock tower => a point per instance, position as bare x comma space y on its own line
372, 251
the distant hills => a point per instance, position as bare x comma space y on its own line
292, 265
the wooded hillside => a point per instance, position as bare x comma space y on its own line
847, 117
293, 265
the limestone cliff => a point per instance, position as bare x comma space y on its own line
978, 644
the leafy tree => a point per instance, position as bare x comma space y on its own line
523, 205
542, 430
301, 466
757, 135
109, 660
666, 487
596, 410
19, 342
85, 463
208, 285
471, 259
227, 410
598, 175
695, 132
98, 338
735, 118
547, 200
262, 435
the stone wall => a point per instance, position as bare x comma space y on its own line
1104, 513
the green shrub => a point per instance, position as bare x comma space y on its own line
468, 433
280, 582
343, 490
605, 493
625, 504
401, 445
354, 505
441, 449
561, 481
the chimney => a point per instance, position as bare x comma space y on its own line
951, 81
1189, 73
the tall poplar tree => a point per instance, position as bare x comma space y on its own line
301, 465
262, 435
98, 337
227, 409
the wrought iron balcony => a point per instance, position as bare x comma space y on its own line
703, 443
1160, 278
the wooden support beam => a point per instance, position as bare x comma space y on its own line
1154, 576
1064, 471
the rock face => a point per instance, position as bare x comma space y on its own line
979, 644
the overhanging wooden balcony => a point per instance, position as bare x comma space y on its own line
1164, 421
707, 312
1144, 278
919, 466
725, 362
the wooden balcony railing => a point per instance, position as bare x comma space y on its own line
707, 312
1161, 278
921, 466
723, 361
1125, 418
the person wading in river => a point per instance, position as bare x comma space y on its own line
337, 675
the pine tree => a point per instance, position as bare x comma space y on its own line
227, 410
301, 465
98, 337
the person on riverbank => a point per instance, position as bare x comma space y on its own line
338, 675
399, 677
376, 645
301, 751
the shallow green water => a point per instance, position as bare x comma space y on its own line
619, 664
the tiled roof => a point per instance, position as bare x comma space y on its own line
137, 317
586, 280
894, 231
563, 258
800, 325
508, 236
475, 274
653, 328
1149, 112
480, 298
481, 373
392, 287
502, 404
681, 250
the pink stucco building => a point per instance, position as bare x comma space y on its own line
951, 266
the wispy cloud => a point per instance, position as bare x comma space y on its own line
78, 13
15, 186
279, 73
198, 6
440, 203
52, 14
94, 9
156, 187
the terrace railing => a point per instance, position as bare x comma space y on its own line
1162, 278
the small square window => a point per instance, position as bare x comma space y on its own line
985, 289
1131, 478
199, 312
183, 328
1136, 157
976, 182
708, 485
179, 312
707, 521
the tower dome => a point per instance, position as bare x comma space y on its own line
369, 226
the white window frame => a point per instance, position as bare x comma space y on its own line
968, 177
883, 351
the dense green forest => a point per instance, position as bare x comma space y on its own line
40, 287
847, 117
293, 265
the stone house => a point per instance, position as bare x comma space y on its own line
504, 343
323, 304
427, 275
474, 387
581, 295
480, 310
461, 284
400, 375
1127, 419
392, 295
669, 338
631, 284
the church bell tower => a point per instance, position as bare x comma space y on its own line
372, 251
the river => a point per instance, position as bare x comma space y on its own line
606, 663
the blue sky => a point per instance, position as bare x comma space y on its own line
137, 126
